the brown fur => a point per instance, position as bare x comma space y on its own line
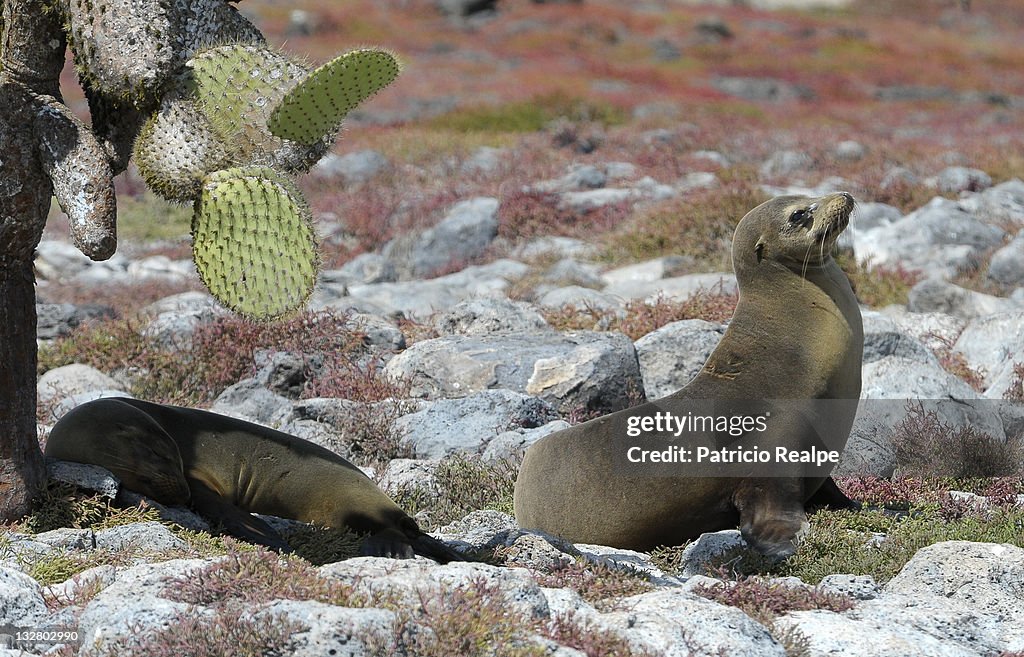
796, 334
227, 468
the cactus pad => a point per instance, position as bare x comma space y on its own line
176, 149
318, 104
237, 86
253, 242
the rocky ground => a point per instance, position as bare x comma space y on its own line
485, 287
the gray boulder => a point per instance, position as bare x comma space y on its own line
334, 630
365, 268
675, 353
941, 236
993, 344
463, 235
489, 315
650, 270
21, 600
783, 164
251, 401
55, 320
1007, 264
466, 425
352, 168
962, 179
936, 295
511, 445
580, 298
589, 370
678, 288
74, 379
883, 337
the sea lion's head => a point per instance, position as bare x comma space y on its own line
798, 232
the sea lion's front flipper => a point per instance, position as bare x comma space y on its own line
829, 495
771, 515
235, 521
390, 542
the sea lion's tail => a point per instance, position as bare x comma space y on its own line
428, 546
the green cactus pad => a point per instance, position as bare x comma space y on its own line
176, 149
253, 242
237, 86
318, 104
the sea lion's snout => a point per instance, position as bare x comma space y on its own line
832, 215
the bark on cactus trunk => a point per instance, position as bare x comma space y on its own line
31, 56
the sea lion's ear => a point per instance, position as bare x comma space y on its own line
759, 250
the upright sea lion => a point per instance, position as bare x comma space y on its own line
796, 335
225, 468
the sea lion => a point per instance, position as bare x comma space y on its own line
796, 335
225, 468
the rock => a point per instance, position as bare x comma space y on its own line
249, 400
334, 630
651, 270
409, 583
672, 355
993, 343
511, 445
484, 160
936, 295
593, 199
421, 299
580, 298
67, 538
761, 89
882, 337
173, 329
712, 156
72, 379
849, 151
481, 530
940, 237
867, 215
55, 320
898, 177
139, 536
376, 331
934, 330
696, 180
467, 424
1007, 264
161, 268
404, 475
962, 179
21, 600
592, 370
858, 587
629, 561
568, 271
554, 247
134, 604
352, 168
678, 288
698, 555
463, 8
783, 164
661, 622
284, 373
490, 315
183, 302
538, 554
368, 268
83, 475
982, 576
464, 234
891, 627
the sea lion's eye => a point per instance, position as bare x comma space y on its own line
798, 216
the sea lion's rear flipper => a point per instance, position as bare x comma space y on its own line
407, 542
428, 546
235, 521
829, 495
771, 515
389, 542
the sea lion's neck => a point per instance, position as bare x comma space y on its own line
809, 322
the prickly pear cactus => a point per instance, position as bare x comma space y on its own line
211, 143
253, 242
216, 118
322, 100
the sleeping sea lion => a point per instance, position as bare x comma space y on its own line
226, 469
